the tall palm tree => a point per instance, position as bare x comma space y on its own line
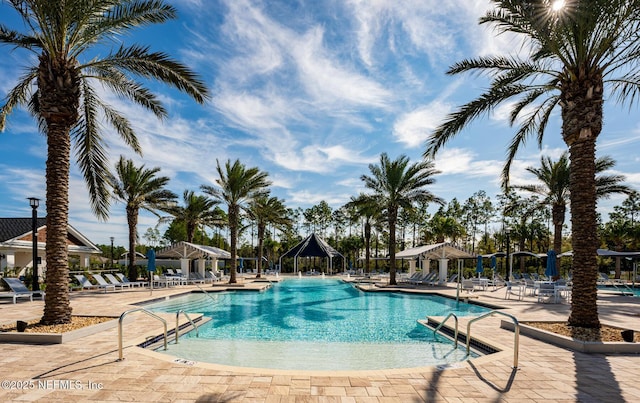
238, 185
396, 185
198, 210
554, 187
577, 52
369, 210
139, 188
267, 210
59, 89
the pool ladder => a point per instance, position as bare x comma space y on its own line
516, 331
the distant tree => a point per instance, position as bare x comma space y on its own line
266, 210
237, 186
198, 210
367, 208
139, 188
397, 184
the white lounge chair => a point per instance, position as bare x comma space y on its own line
103, 283
85, 283
116, 282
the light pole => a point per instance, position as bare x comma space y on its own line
34, 203
507, 232
111, 265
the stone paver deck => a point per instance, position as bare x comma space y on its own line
87, 369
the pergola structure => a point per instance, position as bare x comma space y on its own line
186, 251
442, 252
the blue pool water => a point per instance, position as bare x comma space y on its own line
319, 325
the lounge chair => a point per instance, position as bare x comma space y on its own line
418, 279
430, 279
103, 283
411, 278
165, 281
19, 290
195, 277
125, 280
116, 282
453, 278
85, 283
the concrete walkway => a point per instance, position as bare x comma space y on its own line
87, 369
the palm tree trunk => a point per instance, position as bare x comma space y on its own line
581, 124
132, 221
57, 306
367, 247
233, 229
558, 212
59, 96
392, 245
261, 229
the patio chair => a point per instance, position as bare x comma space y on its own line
103, 283
467, 285
19, 290
547, 290
513, 289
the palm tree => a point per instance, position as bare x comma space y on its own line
198, 210
366, 207
265, 210
139, 188
576, 51
238, 185
59, 89
554, 187
396, 185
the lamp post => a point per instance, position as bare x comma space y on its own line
507, 232
111, 265
34, 203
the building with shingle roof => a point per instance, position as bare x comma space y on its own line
16, 244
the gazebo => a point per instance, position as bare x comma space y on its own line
187, 251
312, 246
441, 252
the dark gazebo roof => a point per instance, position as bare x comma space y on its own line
312, 246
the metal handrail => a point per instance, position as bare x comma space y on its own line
455, 337
121, 319
178, 324
516, 332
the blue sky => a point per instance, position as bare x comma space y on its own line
311, 92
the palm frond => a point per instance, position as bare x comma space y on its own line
21, 94
157, 65
122, 85
90, 152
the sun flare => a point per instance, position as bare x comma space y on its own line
557, 5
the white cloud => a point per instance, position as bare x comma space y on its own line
413, 128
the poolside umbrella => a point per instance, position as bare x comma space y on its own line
551, 270
151, 265
479, 267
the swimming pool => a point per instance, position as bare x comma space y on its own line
315, 324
